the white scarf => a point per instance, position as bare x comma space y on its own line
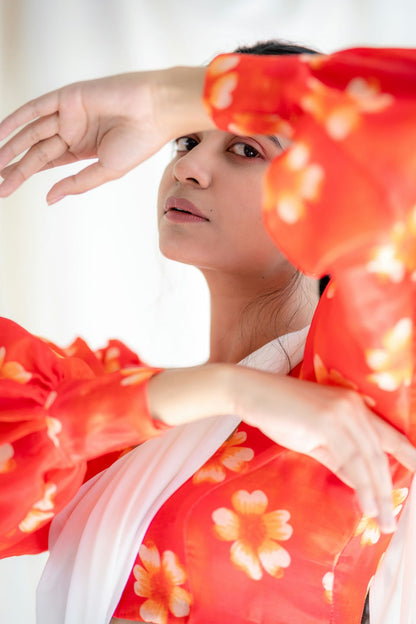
95, 539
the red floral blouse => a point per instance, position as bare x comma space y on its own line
259, 534
65, 414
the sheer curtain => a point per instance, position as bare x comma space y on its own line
90, 265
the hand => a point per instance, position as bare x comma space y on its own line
334, 426
120, 120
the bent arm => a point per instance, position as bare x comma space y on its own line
331, 424
120, 121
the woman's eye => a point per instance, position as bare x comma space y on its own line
185, 144
246, 150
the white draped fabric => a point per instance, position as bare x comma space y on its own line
95, 540
393, 590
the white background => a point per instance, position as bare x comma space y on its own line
90, 265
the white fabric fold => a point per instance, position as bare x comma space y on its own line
95, 539
393, 591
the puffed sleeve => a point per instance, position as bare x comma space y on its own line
341, 200
58, 410
349, 174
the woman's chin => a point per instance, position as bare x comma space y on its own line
179, 256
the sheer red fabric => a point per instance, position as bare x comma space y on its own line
64, 414
341, 200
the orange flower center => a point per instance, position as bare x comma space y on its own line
161, 588
252, 530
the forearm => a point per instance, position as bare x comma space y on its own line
179, 396
332, 425
120, 120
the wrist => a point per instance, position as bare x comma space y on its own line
179, 396
178, 101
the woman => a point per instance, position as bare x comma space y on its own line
210, 195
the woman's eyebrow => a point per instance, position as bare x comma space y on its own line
275, 140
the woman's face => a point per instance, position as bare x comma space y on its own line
209, 204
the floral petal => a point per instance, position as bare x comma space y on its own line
7, 462
399, 337
328, 585
371, 535
377, 359
276, 525
385, 381
369, 529
152, 611
150, 557
399, 496
222, 90
237, 438
234, 458
246, 503
211, 473
290, 208
341, 122
385, 263
244, 558
320, 369
222, 64
173, 570
311, 181
54, 427
328, 581
273, 558
143, 586
179, 602
135, 375
227, 524
46, 503
15, 371
34, 520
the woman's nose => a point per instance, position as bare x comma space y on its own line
194, 168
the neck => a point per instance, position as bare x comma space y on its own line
245, 316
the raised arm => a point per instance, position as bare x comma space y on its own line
120, 121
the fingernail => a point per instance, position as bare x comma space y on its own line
55, 200
387, 525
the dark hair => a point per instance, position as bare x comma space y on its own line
275, 47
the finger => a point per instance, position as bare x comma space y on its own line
32, 134
33, 161
324, 456
376, 464
356, 471
43, 105
395, 443
83, 181
358, 445
351, 467
66, 159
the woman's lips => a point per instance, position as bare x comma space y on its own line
181, 210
